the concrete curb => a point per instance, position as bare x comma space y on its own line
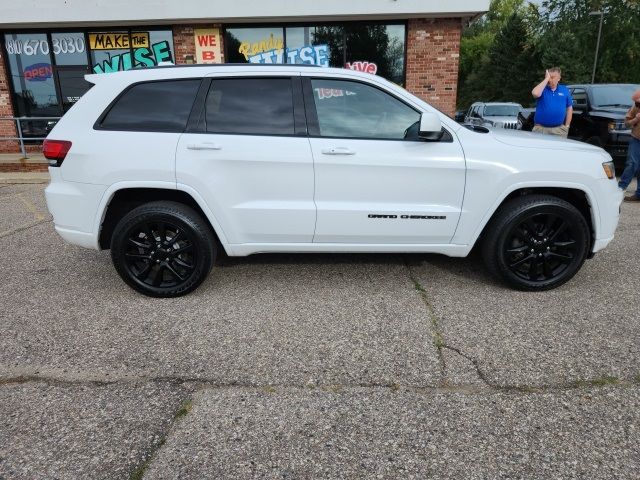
23, 177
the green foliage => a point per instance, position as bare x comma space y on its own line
503, 55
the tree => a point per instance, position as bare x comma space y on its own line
478, 44
511, 65
568, 38
504, 54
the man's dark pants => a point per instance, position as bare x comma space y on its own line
632, 167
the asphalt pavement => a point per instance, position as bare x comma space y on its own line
313, 366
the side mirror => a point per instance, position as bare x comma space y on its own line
430, 127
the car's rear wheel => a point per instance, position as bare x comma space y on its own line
163, 249
536, 242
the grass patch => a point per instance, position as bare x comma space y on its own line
596, 382
417, 286
605, 380
184, 409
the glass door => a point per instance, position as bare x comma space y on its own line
71, 84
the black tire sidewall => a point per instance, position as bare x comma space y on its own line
180, 216
504, 227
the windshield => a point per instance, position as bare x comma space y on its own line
613, 95
501, 110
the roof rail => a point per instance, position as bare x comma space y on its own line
232, 65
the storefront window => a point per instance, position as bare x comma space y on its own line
123, 50
34, 90
376, 48
69, 48
315, 45
255, 45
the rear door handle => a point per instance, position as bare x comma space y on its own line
204, 146
338, 151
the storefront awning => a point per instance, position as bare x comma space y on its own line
63, 13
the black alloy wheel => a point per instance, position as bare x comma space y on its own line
536, 242
163, 249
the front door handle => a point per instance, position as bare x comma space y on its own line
338, 151
204, 146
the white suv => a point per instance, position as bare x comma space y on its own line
167, 166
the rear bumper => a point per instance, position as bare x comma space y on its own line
82, 239
74, 207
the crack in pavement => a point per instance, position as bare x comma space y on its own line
204, 383
148, 457
24, 227
441, 344
436, 331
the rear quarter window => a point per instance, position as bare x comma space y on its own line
162, 106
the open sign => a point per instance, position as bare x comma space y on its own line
38, 72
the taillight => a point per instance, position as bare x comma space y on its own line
55, 151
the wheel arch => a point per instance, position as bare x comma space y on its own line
121, 200
579, 198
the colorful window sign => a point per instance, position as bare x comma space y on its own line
110, 41
308, 55
38, 72
144, 57
376, 48
251, 49
207, 45
360, 66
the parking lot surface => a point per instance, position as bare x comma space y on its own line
313, 366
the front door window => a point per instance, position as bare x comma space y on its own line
355, 110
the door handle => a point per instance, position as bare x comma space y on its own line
204, 146
338, 151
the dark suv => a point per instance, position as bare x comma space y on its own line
598, 116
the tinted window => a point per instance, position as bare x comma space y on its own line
501, 111
251, 106
351, 109
154, 107
613, 95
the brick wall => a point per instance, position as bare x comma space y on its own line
184, 44
7, 127
433, 51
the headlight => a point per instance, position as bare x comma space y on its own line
617, 126
609, 170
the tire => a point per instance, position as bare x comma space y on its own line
536, 242
176, 261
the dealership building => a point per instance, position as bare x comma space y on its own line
47, 46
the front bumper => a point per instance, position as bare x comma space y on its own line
609, 200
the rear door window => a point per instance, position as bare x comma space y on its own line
250, 106
153, 107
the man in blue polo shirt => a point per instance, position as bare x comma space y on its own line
554, 108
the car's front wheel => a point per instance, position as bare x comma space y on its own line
163, 249
536, 242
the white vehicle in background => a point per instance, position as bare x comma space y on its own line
495, 114
168, 166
